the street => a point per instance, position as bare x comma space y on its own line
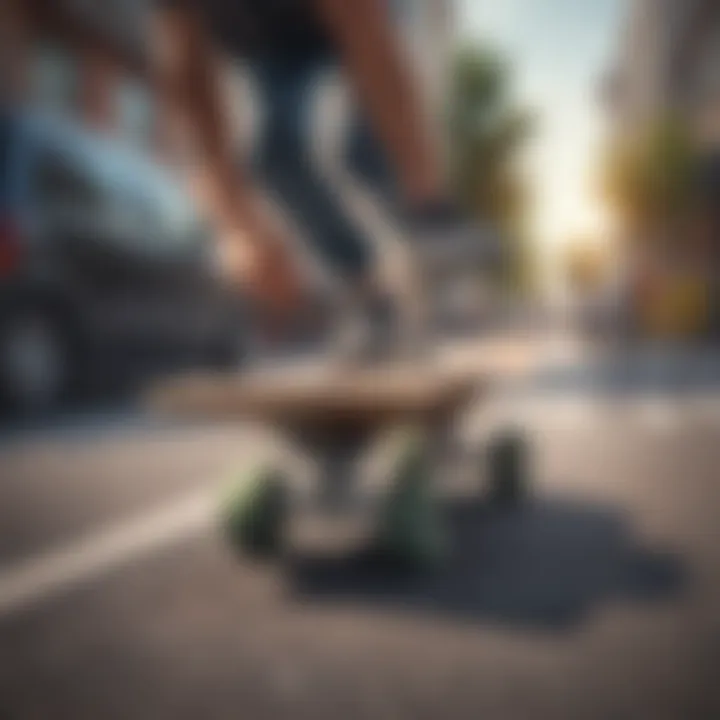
599, 599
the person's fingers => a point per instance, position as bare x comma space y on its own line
273, 279
267, 271
282, 281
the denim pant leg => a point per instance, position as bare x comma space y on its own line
285, 164
366, 159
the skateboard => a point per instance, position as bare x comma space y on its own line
405, 415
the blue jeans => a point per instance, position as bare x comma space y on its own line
285, 164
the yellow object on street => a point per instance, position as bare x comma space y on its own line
679, 308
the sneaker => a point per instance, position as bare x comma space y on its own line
372, 330
364, 331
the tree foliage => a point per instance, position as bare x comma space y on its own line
648, 178
488, 131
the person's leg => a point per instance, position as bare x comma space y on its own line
367, 161
363, 32
285, 164
441, 241
371, 53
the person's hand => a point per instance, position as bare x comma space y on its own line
268, 272
275, 281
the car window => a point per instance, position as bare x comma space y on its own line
152, 206
180, 220
62, 181
140, 217
170, 212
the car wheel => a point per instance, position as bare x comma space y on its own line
35, 362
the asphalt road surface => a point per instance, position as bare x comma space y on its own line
599, 599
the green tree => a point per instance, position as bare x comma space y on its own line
648, 180
487, 132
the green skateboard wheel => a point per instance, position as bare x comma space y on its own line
254, 512
411, 532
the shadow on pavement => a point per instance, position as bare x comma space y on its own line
547, 566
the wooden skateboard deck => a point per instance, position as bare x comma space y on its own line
362, 398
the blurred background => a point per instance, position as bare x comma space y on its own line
595, 162
586, 133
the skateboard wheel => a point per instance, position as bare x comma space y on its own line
254, 512
411, 532
508, 469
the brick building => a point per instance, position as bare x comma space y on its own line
668, 65
668, 60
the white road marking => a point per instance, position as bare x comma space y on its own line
62, 568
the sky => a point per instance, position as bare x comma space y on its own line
560, 50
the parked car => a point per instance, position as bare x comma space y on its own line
103, 262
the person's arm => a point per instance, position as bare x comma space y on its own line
188, 87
